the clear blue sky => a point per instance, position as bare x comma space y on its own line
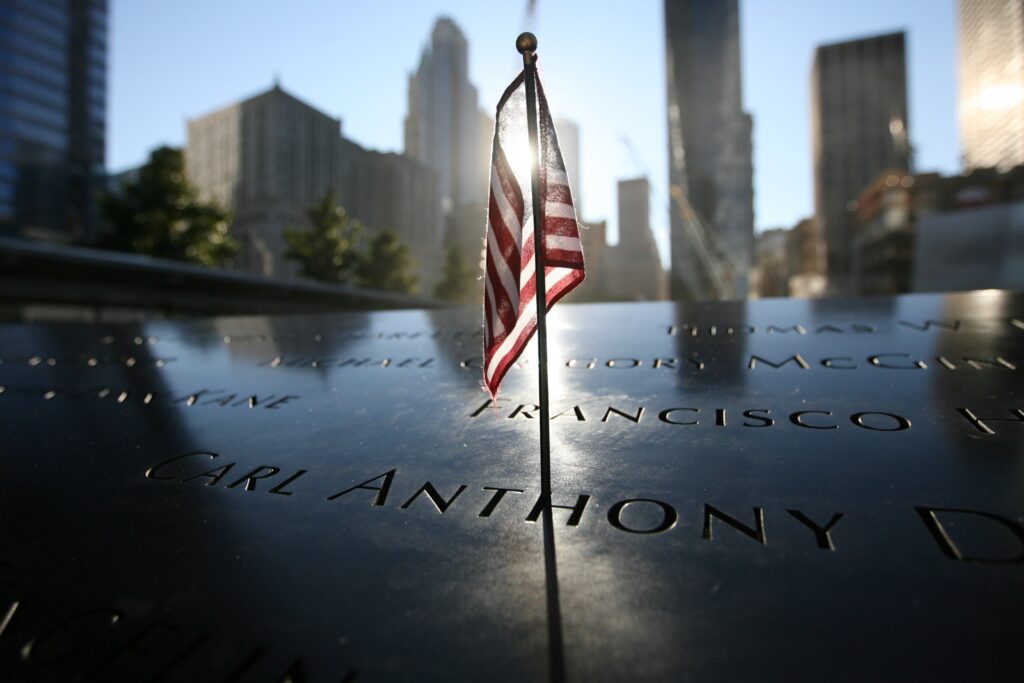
602, 61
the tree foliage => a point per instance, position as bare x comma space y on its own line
329, 249
336, 248
160, 215
387, 265
458, 281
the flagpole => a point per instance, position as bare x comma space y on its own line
526, 43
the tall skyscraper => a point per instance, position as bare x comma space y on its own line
634, 265
53, 87
859, 129
442, 125
569, 144
990, 75
710, 162
594, 236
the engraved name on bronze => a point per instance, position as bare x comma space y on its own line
223, 398
59, 637
674, 330
719, 329
86, 360
689, 416
986, 422
695, 362
638, 515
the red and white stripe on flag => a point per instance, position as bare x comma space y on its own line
510, 313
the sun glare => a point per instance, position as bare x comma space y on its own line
515, 141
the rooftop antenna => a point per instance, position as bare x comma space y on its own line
530, 15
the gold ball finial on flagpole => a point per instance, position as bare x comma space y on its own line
526, 42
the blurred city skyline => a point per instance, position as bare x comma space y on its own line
605, 74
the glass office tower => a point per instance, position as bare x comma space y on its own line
859, 129
990, 72
710, 152
53, 79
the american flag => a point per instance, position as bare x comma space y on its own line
510, 313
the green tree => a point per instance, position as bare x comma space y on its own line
329, 250
160, 215
458, 281
388, 265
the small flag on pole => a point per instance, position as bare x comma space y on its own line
510, 311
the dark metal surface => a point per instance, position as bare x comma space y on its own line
197, 571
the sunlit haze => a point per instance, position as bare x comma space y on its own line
603, 66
